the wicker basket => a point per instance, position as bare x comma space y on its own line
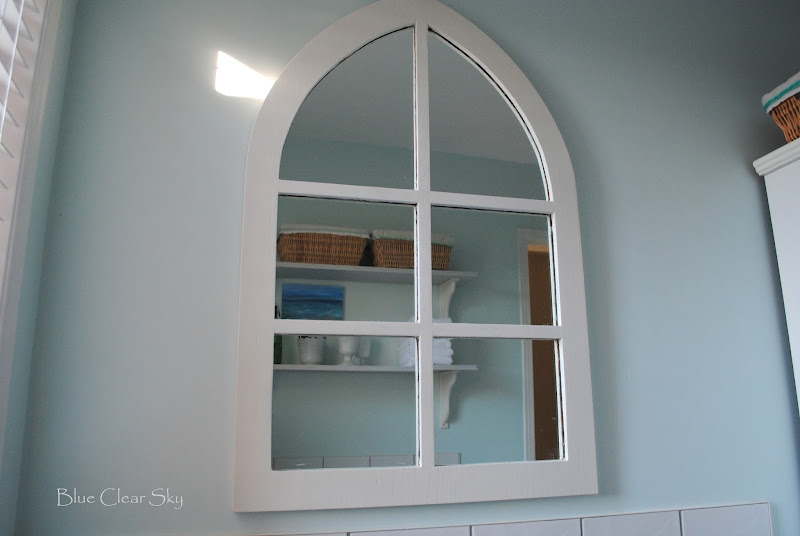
783, 104
787, 116
321, 248
393, 253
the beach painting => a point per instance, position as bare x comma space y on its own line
313, 302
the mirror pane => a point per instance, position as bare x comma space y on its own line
478, 143
507, 410
512, 258
357, 125
343, 402
326, 266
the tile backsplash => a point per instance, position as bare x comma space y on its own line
650, 524
738, 520
745, 520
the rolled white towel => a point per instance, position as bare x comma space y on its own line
442, 344
443, 352
408, 356
443, 359
442, 348
408, 352
407, 360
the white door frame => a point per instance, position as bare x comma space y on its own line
525, 237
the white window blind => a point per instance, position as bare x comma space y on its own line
20, 34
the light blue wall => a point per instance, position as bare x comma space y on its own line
12, 448
349, 163
134, 362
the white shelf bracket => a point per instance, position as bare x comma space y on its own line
447, 379
446, 291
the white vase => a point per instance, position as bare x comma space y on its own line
348, 346
364, 348
310, 349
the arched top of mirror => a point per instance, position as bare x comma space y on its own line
377, 110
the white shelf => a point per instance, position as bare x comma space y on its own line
447, 375
368, 368
779, 158
364, 274
445, 280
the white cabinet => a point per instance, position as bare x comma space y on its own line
781, 172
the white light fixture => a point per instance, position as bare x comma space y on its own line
235, 79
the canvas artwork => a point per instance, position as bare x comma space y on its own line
314, 302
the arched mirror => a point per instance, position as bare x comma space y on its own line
412, 315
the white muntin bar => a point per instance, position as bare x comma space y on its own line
458, 330
346, 327
322, 190
485, 202
423, 267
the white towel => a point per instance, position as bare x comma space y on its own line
442, 345
443, 359
442, 348
408, 352
442, 352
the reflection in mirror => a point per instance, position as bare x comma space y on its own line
507, 410
356, 125
344, 402
547, 440
321, 242
478, 143
496, 245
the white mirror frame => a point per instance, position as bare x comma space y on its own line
257, 487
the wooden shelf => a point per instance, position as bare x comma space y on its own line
364, 274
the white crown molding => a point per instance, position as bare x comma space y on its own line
778, 158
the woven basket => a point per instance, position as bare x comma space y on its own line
321, 248
787, 116
392, 253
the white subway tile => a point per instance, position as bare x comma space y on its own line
447, 531
560, 527
447, 458
297, 463
650, 524
391, 460
744, 520
345, 461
